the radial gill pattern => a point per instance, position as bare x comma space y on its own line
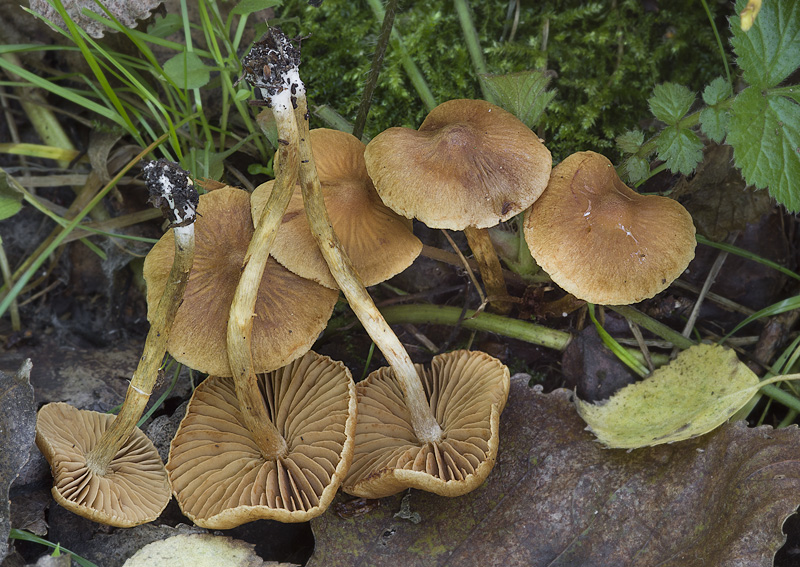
132, 491
467, 392
219, 475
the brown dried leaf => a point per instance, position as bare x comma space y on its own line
557, 498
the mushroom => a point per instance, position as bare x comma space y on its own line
603, 242
220, 475
423, 427
290, 312
378, 240
104, 468
470, 166
468, 391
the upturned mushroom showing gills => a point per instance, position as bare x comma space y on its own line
219, 474
104, 467
467, 391
603, 242
448, 430
470, 166
378, 241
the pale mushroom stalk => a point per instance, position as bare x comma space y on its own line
171, 190
426, 428
272, 67
489, 265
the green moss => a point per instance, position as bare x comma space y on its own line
606, 56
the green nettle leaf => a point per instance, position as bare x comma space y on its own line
694, 394
770, 51
765, 135
680, 148
630, 141
716, 91
670, 102
714, 122
522, 94
187, 70
636, 169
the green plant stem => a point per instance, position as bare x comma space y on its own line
781, 396
447, 315
375, 69
27, 536
413, 72
473, 43
719, 43
5, 269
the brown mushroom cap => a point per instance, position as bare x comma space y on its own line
378, 241
290, 311
133, 491
471, 163
218, 474
603, 242
467, 392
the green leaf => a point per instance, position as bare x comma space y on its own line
187, 70
765, 135
770, 51
716, 91
694, 394
522, 94
670, 102
246, 7
630, 141
636, 169
714, 122
680, 148
10, 197
165, 26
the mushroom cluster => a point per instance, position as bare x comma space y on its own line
242, 294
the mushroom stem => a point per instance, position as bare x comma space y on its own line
271, 66
426, 428
171, 189
489, 265
240, 322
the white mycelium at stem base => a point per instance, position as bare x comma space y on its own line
171, 190
272, 67
426, 427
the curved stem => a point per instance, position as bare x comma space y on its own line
181, 203
240, 322
425, 425
489, 265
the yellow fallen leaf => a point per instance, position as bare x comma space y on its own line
695, 393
